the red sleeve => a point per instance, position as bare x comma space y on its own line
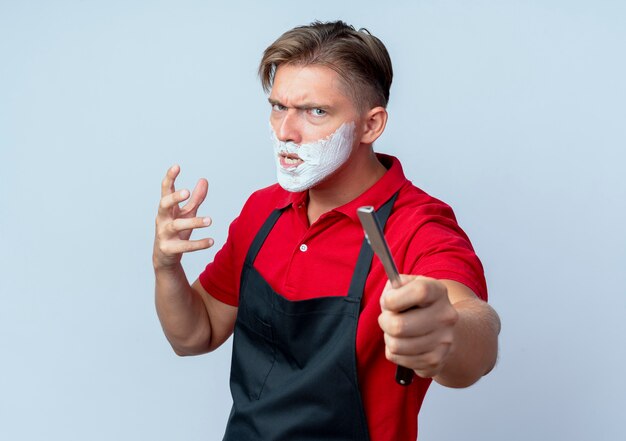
220, 277
448, 254
439, 248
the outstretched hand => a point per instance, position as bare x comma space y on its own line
418, 323
174, 224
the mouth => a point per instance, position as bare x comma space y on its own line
289, 160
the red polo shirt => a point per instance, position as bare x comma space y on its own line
302, 261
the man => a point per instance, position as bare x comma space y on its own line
318, 329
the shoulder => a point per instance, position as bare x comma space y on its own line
411, 202
413, 207
262, 202
256, 210
416, 207
221, 277
424, 225
432, 243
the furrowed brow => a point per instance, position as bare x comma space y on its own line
272, 101
309, 106
304, 106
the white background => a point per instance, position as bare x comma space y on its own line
511, 111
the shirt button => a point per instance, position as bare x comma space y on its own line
303, 248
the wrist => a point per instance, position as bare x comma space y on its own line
165, 268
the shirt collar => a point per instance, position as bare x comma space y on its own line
381, 191
376, 195
294, 199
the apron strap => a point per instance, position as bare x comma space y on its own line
260, 237
364, 262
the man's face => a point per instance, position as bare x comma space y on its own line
308, 103
310, 109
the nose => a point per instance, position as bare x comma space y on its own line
287, 127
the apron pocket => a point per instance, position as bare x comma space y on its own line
270, 351
258, 348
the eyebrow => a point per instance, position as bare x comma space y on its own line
305, 106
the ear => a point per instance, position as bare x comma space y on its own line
374, 123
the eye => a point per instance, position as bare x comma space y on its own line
318, 112
278, 107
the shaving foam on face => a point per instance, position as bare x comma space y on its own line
320, 158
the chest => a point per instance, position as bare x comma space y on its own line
302, 262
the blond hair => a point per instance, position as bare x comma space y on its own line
359, 58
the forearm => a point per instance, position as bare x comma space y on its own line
475, 346
182, 313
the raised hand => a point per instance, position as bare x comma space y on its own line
174, 224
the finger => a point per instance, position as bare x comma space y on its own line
407, 324
418, 292
167, 185
426, 365
185, 246
179, 225
407, 346
170, 200
197, 197
404, 279
417, 345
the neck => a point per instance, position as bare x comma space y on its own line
358, 174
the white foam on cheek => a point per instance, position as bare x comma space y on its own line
321, 158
